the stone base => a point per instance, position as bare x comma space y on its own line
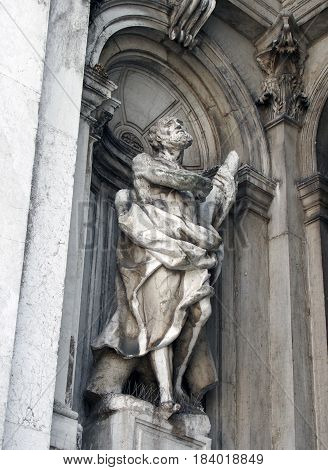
122, 422
65, 428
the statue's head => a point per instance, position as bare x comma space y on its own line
169, 133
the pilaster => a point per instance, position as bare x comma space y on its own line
33, 372
313, 192
20, 94
282, 53
98, 107
243, 298
187, 19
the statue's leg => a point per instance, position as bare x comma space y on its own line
199, 314
161, 361
109, 374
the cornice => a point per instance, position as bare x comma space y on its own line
313, 192
305, 10
255, 191
98, 106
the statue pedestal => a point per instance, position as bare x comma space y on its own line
122, 422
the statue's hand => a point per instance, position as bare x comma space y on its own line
122, 201
203, 188
232, 162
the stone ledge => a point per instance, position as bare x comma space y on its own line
313, 192
255, 191
97, 89
65, 428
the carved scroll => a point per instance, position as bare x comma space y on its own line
188, 17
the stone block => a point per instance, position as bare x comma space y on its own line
122, 422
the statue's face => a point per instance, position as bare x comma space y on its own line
177, 136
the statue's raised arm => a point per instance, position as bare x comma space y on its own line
159, 172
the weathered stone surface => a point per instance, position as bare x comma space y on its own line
33, 369
313, 192
124, 422
282, 52
96, 100
292, 393
187, 18
21, 71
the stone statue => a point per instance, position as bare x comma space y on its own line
169, 255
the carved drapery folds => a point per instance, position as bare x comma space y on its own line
187, 18
281, 56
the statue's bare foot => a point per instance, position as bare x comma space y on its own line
168, 408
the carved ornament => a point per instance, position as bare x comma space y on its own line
282, 55
187, 18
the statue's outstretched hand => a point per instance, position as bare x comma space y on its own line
232, 162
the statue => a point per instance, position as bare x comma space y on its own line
169, 255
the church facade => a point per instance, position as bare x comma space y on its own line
82, 84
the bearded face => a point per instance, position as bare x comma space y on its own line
170, 134
178, 137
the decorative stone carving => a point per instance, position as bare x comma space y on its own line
187, 18
138, 85
98, 105
282, 54
168, 257
132, 141
103, 115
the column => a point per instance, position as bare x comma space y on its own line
288, 303
23, 33
97, 109
313, 192
33, 375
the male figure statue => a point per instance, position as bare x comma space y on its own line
169, 253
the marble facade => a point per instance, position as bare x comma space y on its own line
82, 83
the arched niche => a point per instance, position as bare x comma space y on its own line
150, 87
135, 33
129, 39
